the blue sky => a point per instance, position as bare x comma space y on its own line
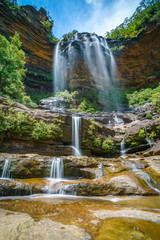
96, 16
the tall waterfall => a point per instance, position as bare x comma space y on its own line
88, 51
76, 124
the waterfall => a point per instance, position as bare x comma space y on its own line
56, 171
6, 173
59, 68
147, 139
76, 124
84, 54
123, 151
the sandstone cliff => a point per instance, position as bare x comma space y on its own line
34, 37
138, 61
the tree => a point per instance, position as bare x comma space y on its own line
12, 71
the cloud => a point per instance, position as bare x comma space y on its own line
96, 3
106, 15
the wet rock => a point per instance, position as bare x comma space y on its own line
13, 188
155, 150
128, 213
22, 226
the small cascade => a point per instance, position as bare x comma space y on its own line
6, 173
76, 124
143, 175
147, 139
122, 147
99, 171
56, 171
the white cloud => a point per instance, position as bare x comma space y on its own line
96, 3
106, 17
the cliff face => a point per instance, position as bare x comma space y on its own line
27, 22
139, 63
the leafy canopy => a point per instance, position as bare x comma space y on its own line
147, 12
12, 71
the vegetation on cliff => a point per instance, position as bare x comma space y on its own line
143, 96
12, 71
13, 123
148, 11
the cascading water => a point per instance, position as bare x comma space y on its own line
84, 56
59, 69
5, 173
56, 171
122, 147
147, 139
76, 124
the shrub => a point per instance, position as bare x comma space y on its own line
149, 115
97, 142
88, 107
142, 133
21, 124
156, 101
107, 145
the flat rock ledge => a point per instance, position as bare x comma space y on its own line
128, 213
21, 226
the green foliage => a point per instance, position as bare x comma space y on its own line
143, 96
97, 142
13, 5
108, 145
70, 97
36, 97
14, 123
91, 128
52, 39
156, 100
147, 12
142, 133
149, 115
88, 107
134, 144
47, 25
153, 134
68, 35
12, 71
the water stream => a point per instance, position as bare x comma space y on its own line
6, 173
147, 138
76, 124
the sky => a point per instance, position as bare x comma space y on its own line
94, 16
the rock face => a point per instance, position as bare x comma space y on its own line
27, 21
83, 176
22, 226
138, 63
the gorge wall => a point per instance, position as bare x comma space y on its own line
27, 21
138, 60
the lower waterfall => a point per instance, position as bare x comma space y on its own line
76, 124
